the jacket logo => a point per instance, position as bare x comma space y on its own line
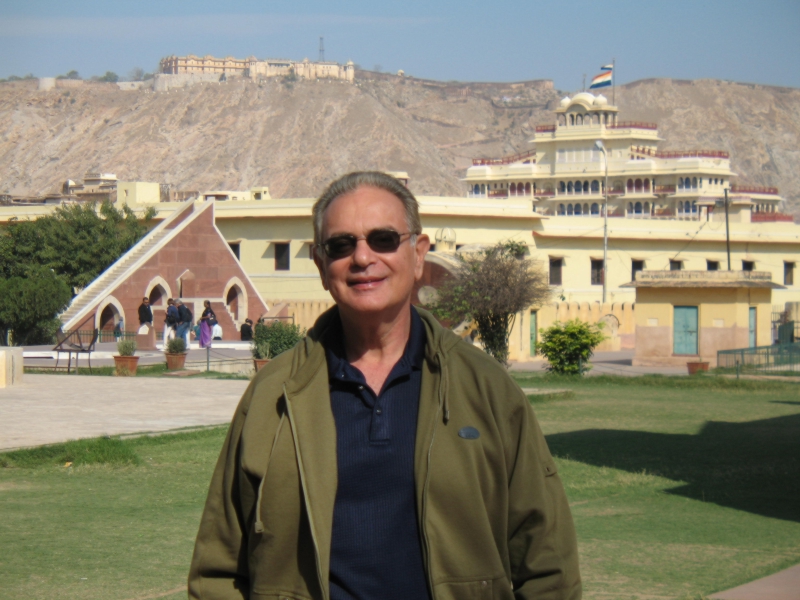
469, 433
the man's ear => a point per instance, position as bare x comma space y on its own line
420, 250
320, 267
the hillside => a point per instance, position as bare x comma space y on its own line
296, 137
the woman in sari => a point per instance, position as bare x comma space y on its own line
207, 322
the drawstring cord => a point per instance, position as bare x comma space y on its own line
443, 389
259, 526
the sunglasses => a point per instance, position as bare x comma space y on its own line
379, 240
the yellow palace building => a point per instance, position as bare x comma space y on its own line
666, 211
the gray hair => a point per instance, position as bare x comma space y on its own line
351, 182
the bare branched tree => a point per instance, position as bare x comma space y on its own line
490, 288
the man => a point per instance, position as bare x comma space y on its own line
145, 313
171, 320
185, 321
383, 457
247, 331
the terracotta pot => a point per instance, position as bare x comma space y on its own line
696, 366
126, 365
175, 362
260, 362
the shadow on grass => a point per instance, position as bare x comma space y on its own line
753, 466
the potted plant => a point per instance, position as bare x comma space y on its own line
176, 354
270, 339
697, 366
125, 362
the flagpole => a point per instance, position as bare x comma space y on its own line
614, 82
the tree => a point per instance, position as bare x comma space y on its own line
70, 75
136, 74
569, 346
28, 305
110, 77
489, 288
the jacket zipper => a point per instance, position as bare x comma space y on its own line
312, 526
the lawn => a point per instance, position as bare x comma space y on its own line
679, 488
156, 370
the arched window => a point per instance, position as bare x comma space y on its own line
647, 208
561, 209
605, 118
595, 186
646, 185
572, 119
578, 187
569, 187
637, 186
630, 185
630, 207
483, 188
569, 209
477, 189
595, 208
578, 210
513, 189
562, 187
637, 208
579, 120
585, 187
586, 209
680, 183
694, 206
694, 182
528, 188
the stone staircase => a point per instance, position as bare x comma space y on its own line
75, 313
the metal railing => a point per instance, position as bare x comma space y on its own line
779, 359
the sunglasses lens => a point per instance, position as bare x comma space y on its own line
340, 246
383, 240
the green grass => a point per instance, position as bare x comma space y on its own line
679, 487
156, 370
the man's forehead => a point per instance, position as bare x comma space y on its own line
385, 216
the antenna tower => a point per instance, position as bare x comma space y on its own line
321, 49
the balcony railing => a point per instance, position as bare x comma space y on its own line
544, 193
680, 153
771, 218
498, 193
753, 189
663, 189
632, 125
546, 128
506, 160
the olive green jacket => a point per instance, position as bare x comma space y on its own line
493, 517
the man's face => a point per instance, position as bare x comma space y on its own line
368, 281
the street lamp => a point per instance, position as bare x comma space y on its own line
602, 148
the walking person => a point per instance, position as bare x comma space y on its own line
171, 321
145, 315
185, 318
207, 322
383, 458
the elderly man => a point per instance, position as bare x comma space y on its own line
383, 457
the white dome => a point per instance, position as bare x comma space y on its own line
565, 101
584, 98
600, 100
445, 234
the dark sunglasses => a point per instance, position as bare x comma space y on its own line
379, 240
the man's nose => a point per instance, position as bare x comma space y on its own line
363, 254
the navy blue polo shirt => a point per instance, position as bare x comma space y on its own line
376, 550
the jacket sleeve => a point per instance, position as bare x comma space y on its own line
219, 569
543, 548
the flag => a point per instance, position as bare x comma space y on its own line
607, 67
602, 80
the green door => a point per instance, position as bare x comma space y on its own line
684, 330
752, 326
533, 332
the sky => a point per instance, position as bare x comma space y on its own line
496, 40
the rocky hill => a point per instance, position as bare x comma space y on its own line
294, 137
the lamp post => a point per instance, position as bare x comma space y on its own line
602, 148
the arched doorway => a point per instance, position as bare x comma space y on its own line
232, 302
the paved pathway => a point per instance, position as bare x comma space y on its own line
784, 585
46, 409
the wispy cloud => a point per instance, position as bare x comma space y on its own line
140, 28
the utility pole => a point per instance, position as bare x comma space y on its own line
727, 230
321, 49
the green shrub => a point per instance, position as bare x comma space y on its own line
176, 345
126, 347
569, 346
270, 340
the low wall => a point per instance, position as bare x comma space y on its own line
164, 82
10, 366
